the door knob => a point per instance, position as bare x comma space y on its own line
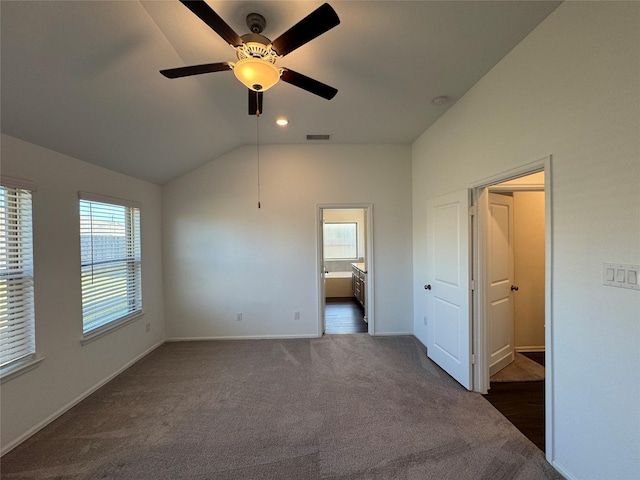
427, 287
514, 288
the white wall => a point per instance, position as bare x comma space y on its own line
570, 89
223, 255
70, 370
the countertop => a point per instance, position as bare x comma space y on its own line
360, 266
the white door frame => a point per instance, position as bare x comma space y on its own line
369, 295
480, 327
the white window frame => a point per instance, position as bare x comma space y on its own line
17, 305
96, 319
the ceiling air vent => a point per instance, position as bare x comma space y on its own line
318, 137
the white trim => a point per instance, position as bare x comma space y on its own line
271, 337
530, 348
10, 446
529, 168
395, 334
548, 312
239, 337
562, 471
96, 197
110, 327
369, 296
14, 182
19, 368
320, 287
480, 329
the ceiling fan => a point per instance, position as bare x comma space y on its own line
257, 54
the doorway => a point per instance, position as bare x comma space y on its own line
345, 268
457, 281
512, 303
515, 275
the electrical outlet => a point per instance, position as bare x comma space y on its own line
296, 315
239, 316
148, 326
425, 319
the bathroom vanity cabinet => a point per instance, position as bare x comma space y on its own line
359, 284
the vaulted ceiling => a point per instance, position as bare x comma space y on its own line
81, 77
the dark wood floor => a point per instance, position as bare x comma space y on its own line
522, 403
344, 315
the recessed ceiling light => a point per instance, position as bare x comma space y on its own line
282, 121
441, 100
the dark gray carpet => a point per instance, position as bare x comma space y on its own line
342, 406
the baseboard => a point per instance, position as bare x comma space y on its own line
562, 471
239, 337
530, 348
271, 337
393, 334
10, 446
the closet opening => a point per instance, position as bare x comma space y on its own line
513, 288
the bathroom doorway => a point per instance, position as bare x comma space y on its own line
344, 243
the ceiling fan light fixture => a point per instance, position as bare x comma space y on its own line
257, 74
257, 54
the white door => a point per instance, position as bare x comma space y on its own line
448, 293
500, 282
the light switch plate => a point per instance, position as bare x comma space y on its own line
621, 275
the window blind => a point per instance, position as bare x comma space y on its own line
111, 263
17, 320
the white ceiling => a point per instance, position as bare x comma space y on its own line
81, 77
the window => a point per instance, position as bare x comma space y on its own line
111, 265
17, 316
340, 241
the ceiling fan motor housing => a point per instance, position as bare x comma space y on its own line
256, 46
256, 22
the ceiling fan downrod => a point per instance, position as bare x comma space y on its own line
256, 22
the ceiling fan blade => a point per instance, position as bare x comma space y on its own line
255, 101
313, 25
211, 18
309, 84
195, 70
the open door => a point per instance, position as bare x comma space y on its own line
500, 285
448, 295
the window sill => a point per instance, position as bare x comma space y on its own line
106, 329
18, 369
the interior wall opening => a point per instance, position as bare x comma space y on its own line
344, 233
514, 294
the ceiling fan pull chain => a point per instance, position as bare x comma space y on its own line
258, 142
